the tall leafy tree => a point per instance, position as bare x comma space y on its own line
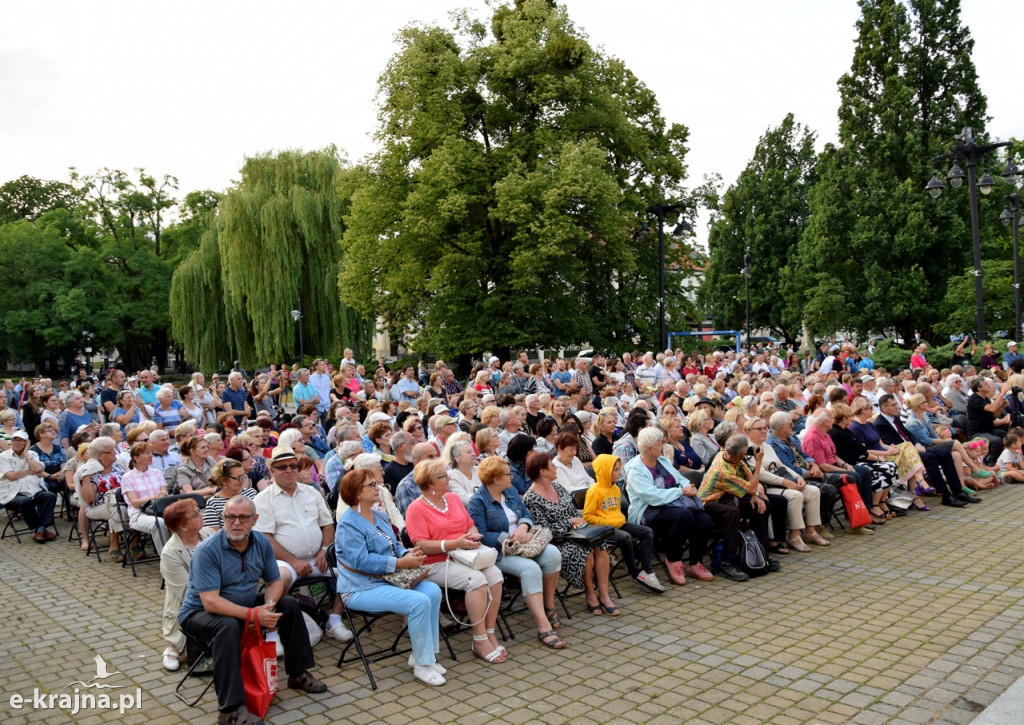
516, 169
878, 252
763, 214
274, 240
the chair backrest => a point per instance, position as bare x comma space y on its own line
161, 504
694, 477
579, 498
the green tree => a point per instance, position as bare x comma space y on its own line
29, 198
516, 169
763, 214
273, 240
877, 252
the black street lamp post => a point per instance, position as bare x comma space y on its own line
746, 284
297, 317
969, 152
1011, 217
660, 210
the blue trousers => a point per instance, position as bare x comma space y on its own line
421, 604
531, 571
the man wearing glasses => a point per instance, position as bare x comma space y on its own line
223, 587
296, 520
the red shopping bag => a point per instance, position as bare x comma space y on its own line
856, 511
259, 667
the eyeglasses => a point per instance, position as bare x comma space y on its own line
372, 484
241, 518
236, 478
757, 427
442, 477
289, 467
140, 439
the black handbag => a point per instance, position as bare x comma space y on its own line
588, 536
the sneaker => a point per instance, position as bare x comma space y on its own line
699, 571
340, 632
675, 572
241, 716
436, 667
826, 534
650, 580
731, 572
428, 675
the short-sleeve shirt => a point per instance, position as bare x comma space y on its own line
219, 567
979, 420
237, 400
108, 395
69, 423
170, 419
213, 513
423, 521
295, 521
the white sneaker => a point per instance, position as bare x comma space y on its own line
437, 667
650, 580
340, 632
428, 675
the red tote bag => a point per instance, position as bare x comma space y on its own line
856, 511
259, 667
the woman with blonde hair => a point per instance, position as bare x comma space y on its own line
487, 442
700, 424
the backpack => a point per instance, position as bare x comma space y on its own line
751, 559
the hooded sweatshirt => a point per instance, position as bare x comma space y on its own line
603, 503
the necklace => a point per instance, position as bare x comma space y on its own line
432, 505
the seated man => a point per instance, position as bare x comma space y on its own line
22, 489
223, 587
791, 455
296, 520
730, 491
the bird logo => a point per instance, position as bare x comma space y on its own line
101, 674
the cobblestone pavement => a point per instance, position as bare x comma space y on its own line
920, 623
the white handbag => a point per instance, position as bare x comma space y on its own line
479, 558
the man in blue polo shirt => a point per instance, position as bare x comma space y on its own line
223, 589
233, 398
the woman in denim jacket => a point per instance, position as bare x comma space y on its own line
499, 514
366, 548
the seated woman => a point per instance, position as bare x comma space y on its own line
229, 479
462, 474
547, 430
851, 450
603, 508
700, 425
661, 499
499, 514
168, 412
552, 506
571, 473
519, 448
922, 432
605, 425
141, 484
367, 549
909, 468
438, 523
183, 520
802, 502
95, 481
51, 455
194, 472
678, 448
385, 505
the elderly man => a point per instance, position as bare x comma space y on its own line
164, 459
223, 591
22, 488
321, 382
522, 383
730, 491
296, 520
303, 391
1011, 355
510, 426
402, 465
451, 386
646, 375
791, 454
234, 400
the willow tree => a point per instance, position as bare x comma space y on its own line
517, 165
276, 237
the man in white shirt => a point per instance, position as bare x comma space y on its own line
296, 520
22, 488
646, 374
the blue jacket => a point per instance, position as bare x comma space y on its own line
785, 453
519, 480
359, 546
643, 493
920, 430
490, 518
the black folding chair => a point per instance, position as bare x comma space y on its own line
127, 533
200, 664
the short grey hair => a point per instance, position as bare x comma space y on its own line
398, 438
723, 431
159, 433
736, 445
649, 438
347, 449
101, 445
778, 420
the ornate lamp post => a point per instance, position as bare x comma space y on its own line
1011, 218
969, 152
660, 210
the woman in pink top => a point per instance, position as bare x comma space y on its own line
140, 485
438, 523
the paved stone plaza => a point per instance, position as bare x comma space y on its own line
922, 622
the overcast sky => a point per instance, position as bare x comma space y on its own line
190, 88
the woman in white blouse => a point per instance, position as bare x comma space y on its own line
569, 469
462, 477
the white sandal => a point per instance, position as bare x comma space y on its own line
171, 660
500, 646
494, 656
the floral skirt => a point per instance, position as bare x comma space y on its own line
908, 462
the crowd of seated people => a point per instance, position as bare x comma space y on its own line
674, 452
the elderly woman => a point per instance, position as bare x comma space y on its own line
552, 506
95, 481
229, 479
438, 523
462, 473
923, 433
194, 472
850, 449
802, 501
701, 440
185, 523
678, 448
50, 455
168, 412
74, 416
571, 473
662, 500
140, 485
499, 515
368, 549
